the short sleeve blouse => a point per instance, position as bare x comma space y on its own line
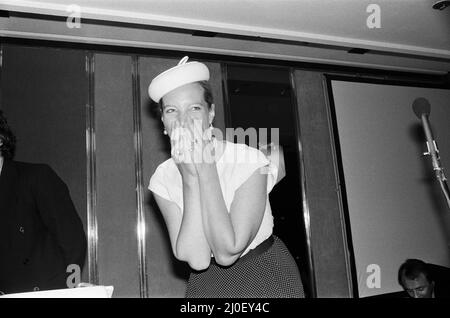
237, 163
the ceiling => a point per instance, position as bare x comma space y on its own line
411, 35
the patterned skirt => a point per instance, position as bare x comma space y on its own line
268, 271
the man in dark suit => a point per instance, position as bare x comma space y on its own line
424, 280
41, 233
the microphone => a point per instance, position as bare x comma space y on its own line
421, 106
422, 109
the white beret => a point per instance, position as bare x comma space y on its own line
182, 74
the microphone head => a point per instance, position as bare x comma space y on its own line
421, 106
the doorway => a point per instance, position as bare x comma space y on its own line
261, 97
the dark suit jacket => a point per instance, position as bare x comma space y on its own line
40, 230
441, 276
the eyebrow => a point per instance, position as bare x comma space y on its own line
411, 289
193, 104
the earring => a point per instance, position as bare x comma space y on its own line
210, 132
165, 132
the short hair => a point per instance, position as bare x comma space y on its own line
7, 149
412, 268
207, 96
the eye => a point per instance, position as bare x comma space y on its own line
169, 110
196, 107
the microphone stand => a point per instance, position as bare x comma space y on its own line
434, 152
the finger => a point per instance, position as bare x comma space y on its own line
181, 143
186, 145
198, 130
178, 132
172, 139
173, 130
192, 128
188, 137
188, 127
179, 129
175, 140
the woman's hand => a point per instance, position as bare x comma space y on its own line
203, 154
192, 148
181, 149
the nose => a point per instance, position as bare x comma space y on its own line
182, 117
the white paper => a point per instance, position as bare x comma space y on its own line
80, 292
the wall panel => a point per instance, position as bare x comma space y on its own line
115, 175
328, 243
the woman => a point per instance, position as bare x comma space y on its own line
213, 195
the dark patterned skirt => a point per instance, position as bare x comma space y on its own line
268, 271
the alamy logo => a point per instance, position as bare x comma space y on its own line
74, 278
374, 278
374, 19
193, 145
73, 21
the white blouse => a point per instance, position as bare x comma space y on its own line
237, 163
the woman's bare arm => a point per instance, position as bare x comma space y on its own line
229, 234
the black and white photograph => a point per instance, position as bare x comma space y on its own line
232, 156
